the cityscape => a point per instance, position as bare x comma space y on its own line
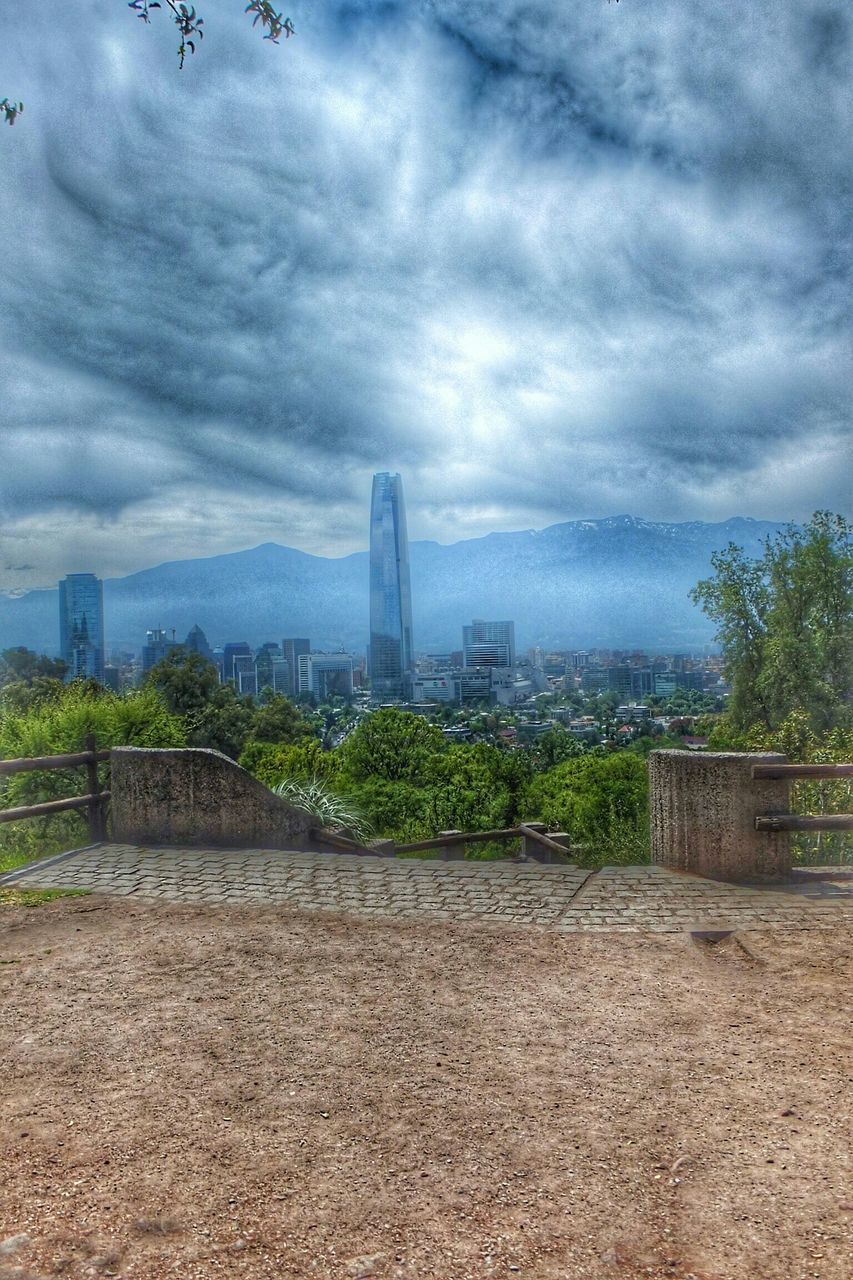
485, 670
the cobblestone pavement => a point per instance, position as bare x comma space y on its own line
563, 898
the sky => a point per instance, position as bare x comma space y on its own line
549, 260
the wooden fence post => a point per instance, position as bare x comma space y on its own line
96, 810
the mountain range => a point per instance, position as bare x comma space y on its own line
618, 582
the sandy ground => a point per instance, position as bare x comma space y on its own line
201, 1091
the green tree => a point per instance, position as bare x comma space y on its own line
59, 725
272, 763
278, 720
393, 745
601, 800
785, 623
214, 715
25, 666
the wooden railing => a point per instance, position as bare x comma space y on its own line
94, 801
803, 822
536, 843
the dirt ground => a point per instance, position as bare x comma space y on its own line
200, 1091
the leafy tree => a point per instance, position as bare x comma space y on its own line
392, 745
785, 623
214, 715
271, 763
278, 720
554, 746
59, 725
593, 797
25, 666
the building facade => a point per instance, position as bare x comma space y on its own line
81, 625
488, 644
391, 647
292, 650
326, 675
158, 645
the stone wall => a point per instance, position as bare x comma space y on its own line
192, 796
703, 807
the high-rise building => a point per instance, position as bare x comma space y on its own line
488, 644
263, 664
196, 642
391, 648
237, 648
326, 675
291, 651
81, 625
158, 645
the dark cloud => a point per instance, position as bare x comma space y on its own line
550, 261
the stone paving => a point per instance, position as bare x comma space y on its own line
561, 898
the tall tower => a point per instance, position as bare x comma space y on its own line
391, 650
81, 625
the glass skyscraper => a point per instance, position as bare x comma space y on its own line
81, 625
391, 653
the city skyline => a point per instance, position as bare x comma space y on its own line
548, 267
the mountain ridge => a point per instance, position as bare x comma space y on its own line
613, 582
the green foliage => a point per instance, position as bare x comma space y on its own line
215, 716
554, 746
278, 720
600, 800
796, 738
472, 788
60, 725
25, 666
329, 809
190, 25
397, 810
270, 762
391, 745
785, 623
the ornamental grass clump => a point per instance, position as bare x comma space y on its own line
329, 809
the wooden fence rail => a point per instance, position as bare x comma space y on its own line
94, 800
803, 822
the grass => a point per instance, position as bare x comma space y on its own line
36, 897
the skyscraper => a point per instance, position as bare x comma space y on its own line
489, 644
391, 653
81, 625
291, 650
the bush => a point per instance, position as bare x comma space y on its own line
60, 725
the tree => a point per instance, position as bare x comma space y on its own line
593, 797
215, 716
392, 745
20, 664
190, 24
785, 623
278, 720
190, 29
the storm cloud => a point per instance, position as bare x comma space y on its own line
551, 262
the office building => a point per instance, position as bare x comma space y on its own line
281, 678
263, 664
158, 645
196, 642
488, 644
326, 675
391, 648
292, 650
81, 625
236, 649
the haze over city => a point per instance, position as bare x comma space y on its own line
550, 262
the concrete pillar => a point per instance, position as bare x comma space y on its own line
702, 808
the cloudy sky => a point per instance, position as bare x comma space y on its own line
550, 260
